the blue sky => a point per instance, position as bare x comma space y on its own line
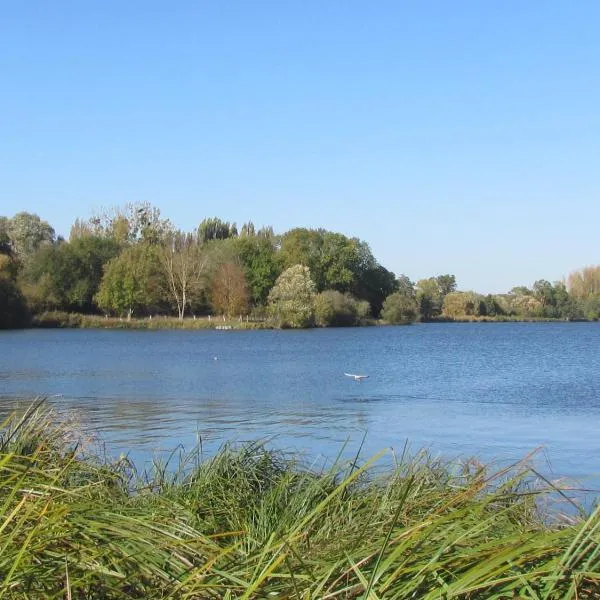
459, 137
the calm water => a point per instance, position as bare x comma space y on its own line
490, 390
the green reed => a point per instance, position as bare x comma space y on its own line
255, 523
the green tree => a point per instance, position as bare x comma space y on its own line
133, 223
215, 229
261, 265
332, 308
446, 285
132, 282
405, 286
67, 276
28, 232
428, 298
399, 308
291, 301
13, 309
463, 304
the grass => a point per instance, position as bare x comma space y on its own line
58, 319
252, 523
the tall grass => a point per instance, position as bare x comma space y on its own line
253, 523
65, 320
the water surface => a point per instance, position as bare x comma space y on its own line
496, 391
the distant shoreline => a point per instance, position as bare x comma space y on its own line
62, 320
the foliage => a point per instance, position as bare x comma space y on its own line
461, 304
585, 283
252, 523
399, 308
132, 282
13, 308
291, 301
215, 229
184, 264
67, 276
261, 265
135, 222
26, 233
229, 290
332, 308
339, 263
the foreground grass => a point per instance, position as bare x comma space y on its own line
250, 523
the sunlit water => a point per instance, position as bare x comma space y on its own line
495, 391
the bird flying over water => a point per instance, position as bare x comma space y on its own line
356, 377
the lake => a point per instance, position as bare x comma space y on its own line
490, 390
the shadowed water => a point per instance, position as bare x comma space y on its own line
496, 391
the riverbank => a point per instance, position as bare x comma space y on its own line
58, 320
251, 523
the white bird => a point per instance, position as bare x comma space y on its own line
356, 377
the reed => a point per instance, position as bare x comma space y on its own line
253, 523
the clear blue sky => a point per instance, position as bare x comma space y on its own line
453, 136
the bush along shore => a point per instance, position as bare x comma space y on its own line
253, 523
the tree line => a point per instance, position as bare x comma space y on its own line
131, 262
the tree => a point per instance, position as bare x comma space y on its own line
131, 282
291, 301
215, 229
13, 309
5, 246
27, 232
399, 308
428, 298
332, 308
67, 276
584, 283
260, 263
230, 291
184, 265
463, 304
446, 285
405, 286
135, 222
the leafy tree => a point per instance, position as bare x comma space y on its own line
260, 263
332, 308
584, 283
405, 286
27, 232
230, 291
131, 282
428, 298
215, 229
446, 285
291, 301
13, 309
463, 304
375, 284
339, 263
184, 266
5, 246
492, 306
67, 276
135, 222
248, 229
399, 308
591, 307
